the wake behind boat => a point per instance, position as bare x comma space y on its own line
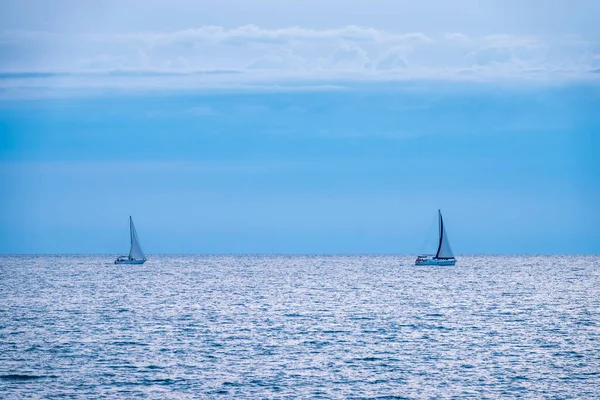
136, 255
443, 255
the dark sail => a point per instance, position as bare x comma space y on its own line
444, 252
437, 253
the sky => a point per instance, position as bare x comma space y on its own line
299, 126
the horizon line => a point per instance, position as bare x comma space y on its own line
294, 254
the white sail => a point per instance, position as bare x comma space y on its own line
135, 252
444, 249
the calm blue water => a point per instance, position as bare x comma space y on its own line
299, 326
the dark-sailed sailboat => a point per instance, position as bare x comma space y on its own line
443, 255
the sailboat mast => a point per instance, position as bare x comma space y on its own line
441, 234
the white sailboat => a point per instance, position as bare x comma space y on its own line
136, 255
443, 255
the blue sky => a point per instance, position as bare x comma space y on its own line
299, 128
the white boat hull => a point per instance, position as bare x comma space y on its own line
435, 261
130, 261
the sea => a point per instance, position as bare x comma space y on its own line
299, 326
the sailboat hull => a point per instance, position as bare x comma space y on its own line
435, 261
130, 261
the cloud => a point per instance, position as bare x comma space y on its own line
254, 34
286, 61
215, 56
349, 57
394, 58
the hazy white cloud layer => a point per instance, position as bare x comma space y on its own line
249, 54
